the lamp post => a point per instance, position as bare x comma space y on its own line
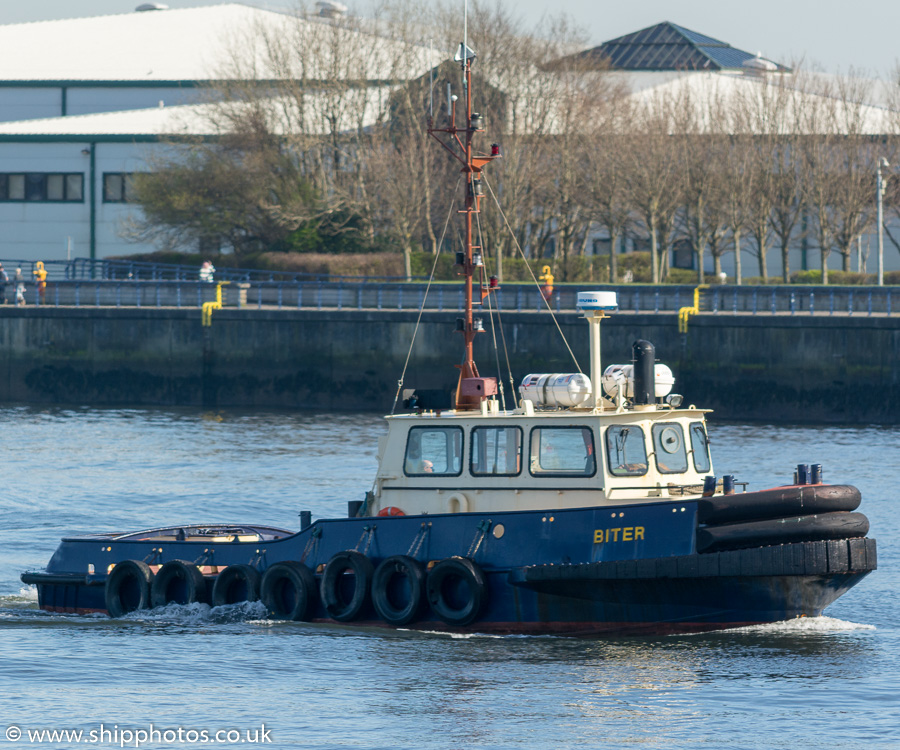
879, 192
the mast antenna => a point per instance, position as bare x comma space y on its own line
471, 389
466, 23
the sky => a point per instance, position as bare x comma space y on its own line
828, 35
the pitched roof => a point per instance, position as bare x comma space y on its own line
667, 46
186, 45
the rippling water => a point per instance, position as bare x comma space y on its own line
818, 682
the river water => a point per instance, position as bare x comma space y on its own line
824, 682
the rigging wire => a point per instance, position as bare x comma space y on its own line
484, 259
522, 253
512, 383
424, 298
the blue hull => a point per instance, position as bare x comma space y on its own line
630, 568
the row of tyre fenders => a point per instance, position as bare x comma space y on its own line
289, 591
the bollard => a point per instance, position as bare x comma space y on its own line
709, 486
728, 484
815, 474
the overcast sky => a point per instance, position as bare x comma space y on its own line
832, 36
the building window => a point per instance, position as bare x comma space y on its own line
118, 187
42, 187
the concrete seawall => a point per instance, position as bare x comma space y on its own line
792, 368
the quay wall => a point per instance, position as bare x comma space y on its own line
827, 369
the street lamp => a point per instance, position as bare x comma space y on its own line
879, 191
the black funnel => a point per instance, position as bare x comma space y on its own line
644, 372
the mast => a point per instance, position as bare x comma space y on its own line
470, 260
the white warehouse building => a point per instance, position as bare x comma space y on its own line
86, 102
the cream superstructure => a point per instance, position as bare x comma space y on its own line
605, 450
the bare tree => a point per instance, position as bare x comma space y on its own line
606, 182
652, 168
737, 180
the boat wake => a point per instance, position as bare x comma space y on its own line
199, 614
26, 599
803, 625
21, 609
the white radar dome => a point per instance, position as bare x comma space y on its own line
597, 301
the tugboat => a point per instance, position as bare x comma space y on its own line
591, 507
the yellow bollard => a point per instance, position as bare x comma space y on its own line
208, 307
685, 313
547, 277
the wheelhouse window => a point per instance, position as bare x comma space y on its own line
434, 451
669, 447
700, 448
118, 187
496, 451
562, 451
42, 187
626, 451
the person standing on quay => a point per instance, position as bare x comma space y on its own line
19, 281
41, 275
4, 280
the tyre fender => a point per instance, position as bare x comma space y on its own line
288, 590
457, 590
236, 584
339, 605
128, 588
384, 584
177, 581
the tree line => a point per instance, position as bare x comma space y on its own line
321, 144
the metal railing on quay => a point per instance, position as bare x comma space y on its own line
85, 269
344, 295
123, 269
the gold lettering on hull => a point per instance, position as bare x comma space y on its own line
621, 534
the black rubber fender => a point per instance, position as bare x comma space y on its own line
387, 588
128, 588
288, 590
779, 502
236, 584
782, 530
457, 590
177, 581
332, 588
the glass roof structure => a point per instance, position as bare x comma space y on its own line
667, 46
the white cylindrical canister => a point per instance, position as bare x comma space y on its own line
616, 376
556, 389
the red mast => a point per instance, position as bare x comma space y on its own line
469, 394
